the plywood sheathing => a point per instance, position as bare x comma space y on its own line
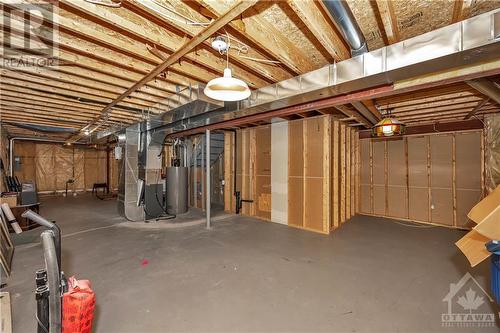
229, 198
433, 178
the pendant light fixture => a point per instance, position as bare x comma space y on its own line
388, 126
227, 88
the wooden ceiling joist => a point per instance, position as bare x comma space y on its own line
389, 21
264, 36
476, 109
148, 34
313, 18
266, 73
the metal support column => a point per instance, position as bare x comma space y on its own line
207, 177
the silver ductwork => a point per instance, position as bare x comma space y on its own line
470, 42
346, 23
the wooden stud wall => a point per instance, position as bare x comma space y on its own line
323, 164
344, 173
309, 166
434, 178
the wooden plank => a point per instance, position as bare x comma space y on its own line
228, 171
217, 24
389, 20
326, 161
263, 34
205, 55
348, 154
317, 24
336, 174
477, 108
343, 180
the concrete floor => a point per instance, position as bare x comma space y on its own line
246, 275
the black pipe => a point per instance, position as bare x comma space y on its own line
42, 309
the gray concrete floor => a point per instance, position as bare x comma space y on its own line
246, 275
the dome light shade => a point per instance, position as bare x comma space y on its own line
227, 88
388, 127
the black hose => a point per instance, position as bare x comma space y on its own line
42, 309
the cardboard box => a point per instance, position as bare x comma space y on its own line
10, 199
486, 215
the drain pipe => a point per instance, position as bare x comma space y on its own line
207, 177
11, 148
346, 23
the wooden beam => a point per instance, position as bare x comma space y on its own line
157, 13
476, 109
131, 25
318, 25
460, 8
224, 19
263, 34
388, 18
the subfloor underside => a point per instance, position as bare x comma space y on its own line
246, 275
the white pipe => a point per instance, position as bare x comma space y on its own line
207, 178
11, 149
11, 218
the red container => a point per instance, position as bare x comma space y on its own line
78, 307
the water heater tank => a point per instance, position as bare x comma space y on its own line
177, 190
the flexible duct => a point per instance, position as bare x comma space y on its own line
346, 23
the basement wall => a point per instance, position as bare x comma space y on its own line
51, 165
301, 173
434, 178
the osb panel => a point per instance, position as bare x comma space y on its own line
365, 16
417, 162
295, 200
263, 196
378, 163
295, 149
314, 147
313, 204
45, 167
379, 199
64, 163
415, 17
482, 6
441, 161
418, 204
466, 199
468, 160
442, 201
365, 199
365, 161
263, 150
290, 26
397, 204
27, 152
396, 163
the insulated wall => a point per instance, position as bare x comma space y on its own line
302, 173
435, 178
52, 165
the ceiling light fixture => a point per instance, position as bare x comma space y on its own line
227, 88
388, 126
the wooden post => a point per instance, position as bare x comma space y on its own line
454, 178
336, 178
327, 123
342, 173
